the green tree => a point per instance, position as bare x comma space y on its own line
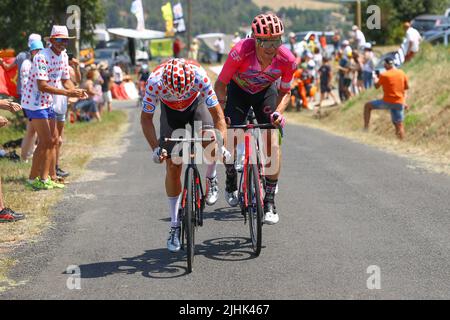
394, 13
19, 19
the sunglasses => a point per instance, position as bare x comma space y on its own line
266, 44
60, 40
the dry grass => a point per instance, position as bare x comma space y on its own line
82, 140
300, 4
427, 123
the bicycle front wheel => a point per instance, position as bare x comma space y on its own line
255, 209
189, 220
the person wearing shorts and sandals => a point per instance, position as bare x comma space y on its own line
250, 77
395, 85
185, 95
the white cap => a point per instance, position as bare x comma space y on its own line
34, 37
368, 45
309, 55
311, 64
345, 43
291, 35
354, 28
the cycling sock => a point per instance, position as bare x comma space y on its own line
230, 170
211, 171
174, 205
271, 186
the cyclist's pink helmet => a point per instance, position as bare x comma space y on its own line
267, 25
178, 77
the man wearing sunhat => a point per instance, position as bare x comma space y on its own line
49, 76
395, 85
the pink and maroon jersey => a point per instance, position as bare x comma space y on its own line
243, 67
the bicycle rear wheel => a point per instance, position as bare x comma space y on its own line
189, 220
255, 210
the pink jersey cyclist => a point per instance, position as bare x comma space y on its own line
257, 74
243, 67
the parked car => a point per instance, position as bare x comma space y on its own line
439, 37
426, 23
436, 31
113, 55
120, 44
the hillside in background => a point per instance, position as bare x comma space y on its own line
225, 16
299, 4
207, 15
427, 122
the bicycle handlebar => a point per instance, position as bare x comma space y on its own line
189, 140
257, 126
253, 126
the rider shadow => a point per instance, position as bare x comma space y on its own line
220, 214
160, 264
224, 214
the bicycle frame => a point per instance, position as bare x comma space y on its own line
250, 129
194, 210
200, 195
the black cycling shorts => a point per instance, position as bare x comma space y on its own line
264, 103
172, 120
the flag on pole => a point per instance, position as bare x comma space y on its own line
178, 15
177, 11
138, 10
168, 17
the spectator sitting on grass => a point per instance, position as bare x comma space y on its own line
89, 106
6, 214
395, 84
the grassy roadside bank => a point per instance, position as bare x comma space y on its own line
427, 123
81, 141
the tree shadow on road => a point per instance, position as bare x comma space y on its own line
161, 264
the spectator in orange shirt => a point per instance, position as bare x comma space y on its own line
395, 85
301, 80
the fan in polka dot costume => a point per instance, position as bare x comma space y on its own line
49, 67
178, 83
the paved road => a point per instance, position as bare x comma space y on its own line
344, 207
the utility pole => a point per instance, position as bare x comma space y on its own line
189, 24
358, 21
